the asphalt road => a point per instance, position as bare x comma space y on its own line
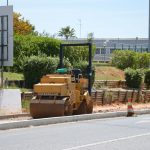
104, 134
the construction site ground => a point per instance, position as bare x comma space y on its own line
114, 107
119, 107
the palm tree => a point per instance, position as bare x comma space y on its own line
67, 32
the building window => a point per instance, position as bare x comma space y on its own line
111, 50
97, 51
103, 51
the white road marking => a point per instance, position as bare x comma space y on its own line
108, 141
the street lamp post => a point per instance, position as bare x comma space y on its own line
104, 52
80, 26
104, 45
122, 46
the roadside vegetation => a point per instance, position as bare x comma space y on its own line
37, 54
136, 66
130, 59
13, 76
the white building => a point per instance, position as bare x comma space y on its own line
105, 46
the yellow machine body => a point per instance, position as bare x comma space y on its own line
58, 95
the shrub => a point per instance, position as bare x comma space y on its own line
29, 45
19, 64
123, 59
134, 78
83, 65
142, 60
147, 78
34, 45
78, 53
37, 66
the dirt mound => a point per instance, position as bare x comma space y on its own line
108, 73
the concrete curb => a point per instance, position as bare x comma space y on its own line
15, 116
142, 112
56, 120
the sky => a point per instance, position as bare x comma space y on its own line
103, 18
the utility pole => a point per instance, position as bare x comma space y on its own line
7, 2
2, 49
80, 26
149, 30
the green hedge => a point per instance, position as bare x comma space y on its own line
134, 78
29, 45
35, 67
83, 65
123, 59
34, 45
142, 60
147, 78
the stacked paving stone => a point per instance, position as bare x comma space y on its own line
108, 96
109, 83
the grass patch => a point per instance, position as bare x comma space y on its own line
21, 89
101, 64
13, 76
25, 105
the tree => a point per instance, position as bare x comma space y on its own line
67, 32
22, 26
90, 37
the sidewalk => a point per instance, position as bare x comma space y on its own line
12, 118
5, 124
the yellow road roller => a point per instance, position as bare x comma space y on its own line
59, 95
63, 93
